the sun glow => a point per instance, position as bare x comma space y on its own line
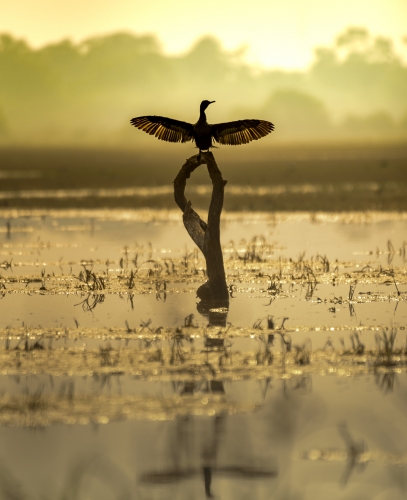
276, 34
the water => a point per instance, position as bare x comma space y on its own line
116, 391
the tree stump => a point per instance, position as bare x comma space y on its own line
205, 235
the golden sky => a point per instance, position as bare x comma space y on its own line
279, 33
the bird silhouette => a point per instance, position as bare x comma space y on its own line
202, 133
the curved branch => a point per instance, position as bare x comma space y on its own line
205, 235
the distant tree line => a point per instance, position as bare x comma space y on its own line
86, 92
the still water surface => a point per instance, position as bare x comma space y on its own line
297, 434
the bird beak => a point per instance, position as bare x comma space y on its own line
211, 102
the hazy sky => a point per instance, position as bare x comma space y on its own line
279, 33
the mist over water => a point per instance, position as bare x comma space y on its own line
86, 93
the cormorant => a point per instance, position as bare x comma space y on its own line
232, 133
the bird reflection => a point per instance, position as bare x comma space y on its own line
211, 431
212, 435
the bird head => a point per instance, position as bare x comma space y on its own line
205, 104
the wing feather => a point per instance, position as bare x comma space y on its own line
241, 131
165, 129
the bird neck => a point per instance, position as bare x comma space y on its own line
202, 115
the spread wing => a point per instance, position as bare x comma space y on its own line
241, 131
163, 128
